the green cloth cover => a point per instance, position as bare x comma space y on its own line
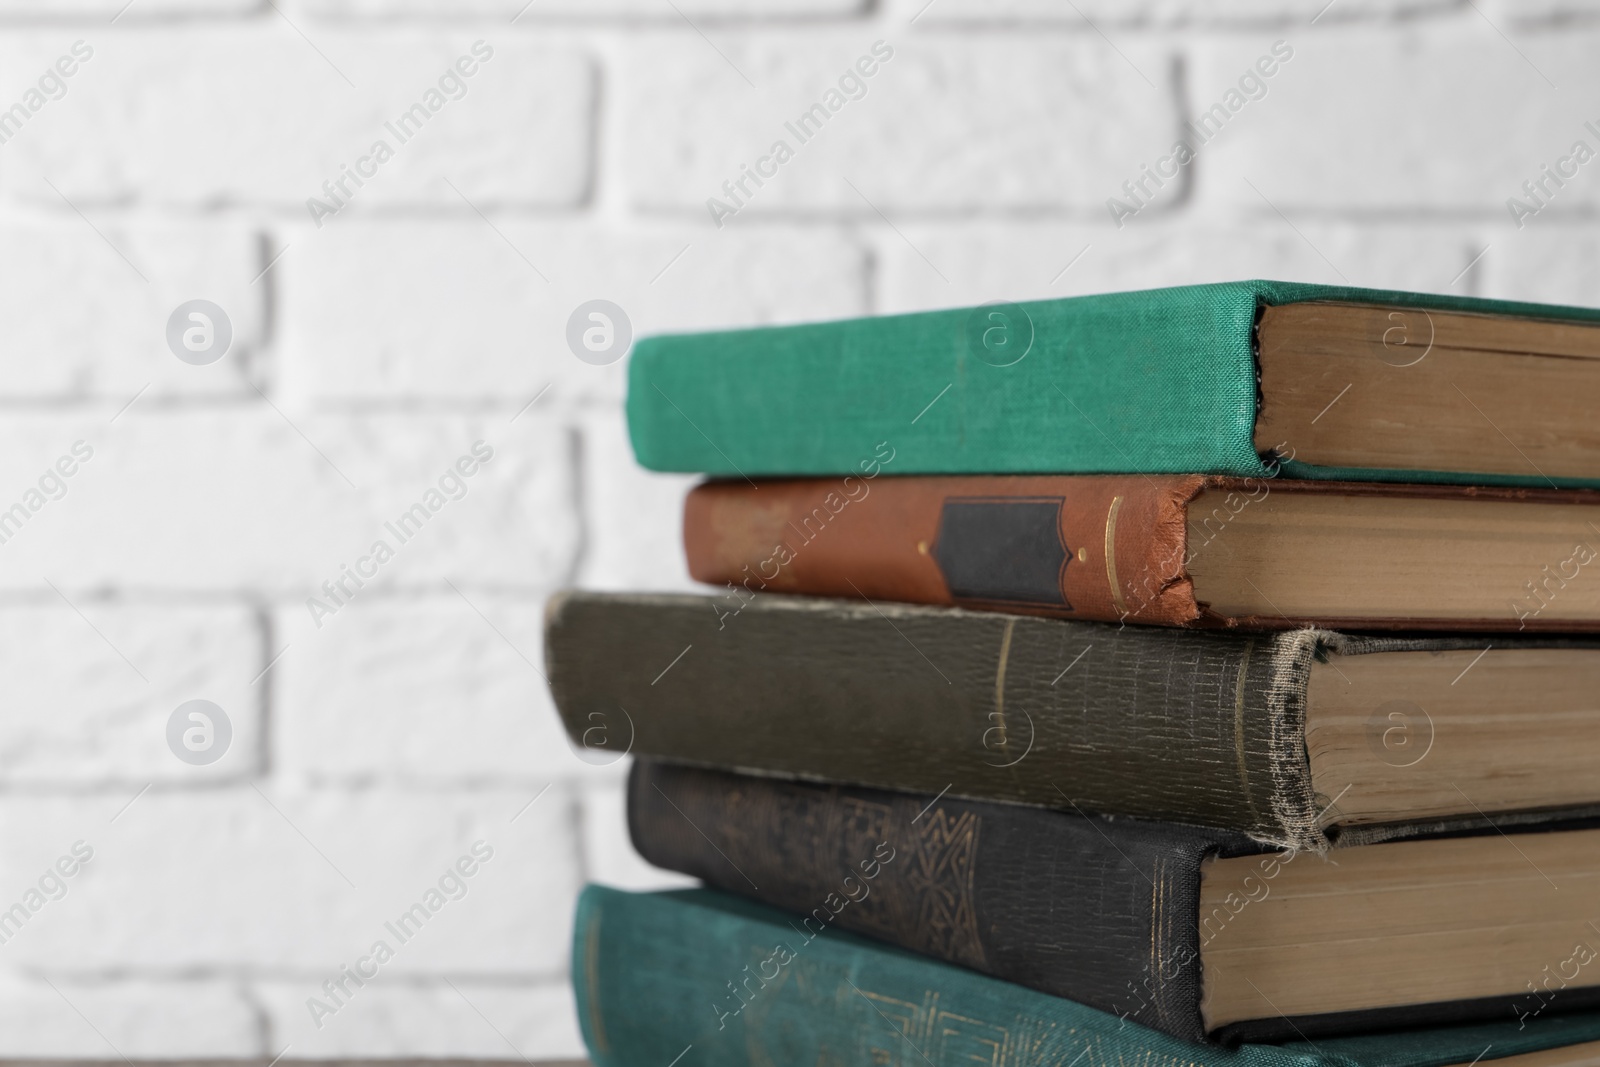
655, 973
1145, 382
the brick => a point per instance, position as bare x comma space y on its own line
1539, 14
95, 323
524, 13
254, 879
951, 123
102, 11
634, 517
167, 1019
1168, 14
180, 498
422, 690
1027, 262
198, 115
391, 310
609, 855
81, 714
1448, 121
477, 1019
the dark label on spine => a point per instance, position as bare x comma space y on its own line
1003, 549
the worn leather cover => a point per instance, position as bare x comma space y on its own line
1110, 548
1094, 910
1104, 548
1201, 727
1195, 726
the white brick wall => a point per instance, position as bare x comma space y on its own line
121, 347
373, 347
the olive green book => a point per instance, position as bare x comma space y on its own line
1295, 737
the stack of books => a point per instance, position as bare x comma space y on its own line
1177, 677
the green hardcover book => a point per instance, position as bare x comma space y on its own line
1241, 378
696, 977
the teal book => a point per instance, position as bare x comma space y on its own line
695, 978
1247, 379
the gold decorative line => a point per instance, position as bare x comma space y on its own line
1238, 727
1162, 994
1156, 886
591, 962
1000, 680
1156, 920
1111, 556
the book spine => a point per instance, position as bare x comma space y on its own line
1101, 912
1200, 727
663, 977
1153, 382
1111, 549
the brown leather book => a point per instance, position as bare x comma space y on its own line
1185, 550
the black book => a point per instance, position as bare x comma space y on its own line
1204, 934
